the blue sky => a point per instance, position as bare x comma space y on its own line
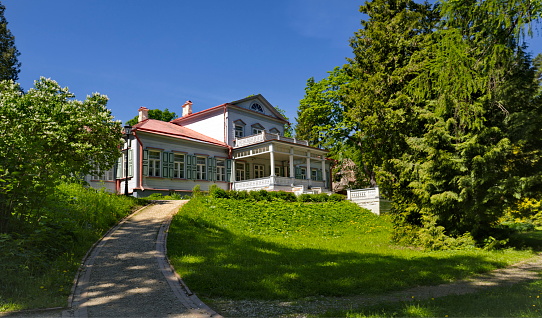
161, 53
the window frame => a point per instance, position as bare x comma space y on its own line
155, 164
179, 166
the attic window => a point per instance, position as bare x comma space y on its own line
257, 107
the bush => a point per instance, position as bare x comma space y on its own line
216, 192
283, 196
320, 197
336, 197
196, 191
304, 197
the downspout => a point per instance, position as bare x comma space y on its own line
140, 161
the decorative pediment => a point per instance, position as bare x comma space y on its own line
239, 122
258, 104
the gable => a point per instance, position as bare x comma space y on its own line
258, 104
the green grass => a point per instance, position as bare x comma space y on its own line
39, 259
520, 300
242, 249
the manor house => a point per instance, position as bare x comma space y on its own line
238, 145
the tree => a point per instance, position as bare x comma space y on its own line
288, 131
9, 64
163, 115
441, 104
478, 149
48, 136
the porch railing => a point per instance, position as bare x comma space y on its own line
275, 180
265, 136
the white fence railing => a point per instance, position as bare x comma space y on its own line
276, 181
266, 136
370, 199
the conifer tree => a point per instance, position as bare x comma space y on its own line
9, 64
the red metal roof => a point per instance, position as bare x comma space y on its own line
176, 131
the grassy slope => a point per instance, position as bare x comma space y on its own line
39, 261
278, 250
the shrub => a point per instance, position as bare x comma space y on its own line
259, 195
283, 196
320, 197
196, 191
336, 197
216, 192
304, 197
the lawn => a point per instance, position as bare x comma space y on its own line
242, 249
521, 300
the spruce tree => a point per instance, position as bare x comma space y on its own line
9, 64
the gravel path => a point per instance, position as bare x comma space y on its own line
128, 275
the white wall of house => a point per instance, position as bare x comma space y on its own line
210, 124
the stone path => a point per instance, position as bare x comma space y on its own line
128, 275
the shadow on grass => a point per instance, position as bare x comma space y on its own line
217, 263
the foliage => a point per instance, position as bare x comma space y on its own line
440, 107
196, 191
9, 63
288, 130
48, 252
245, 249
158, 114
48, 136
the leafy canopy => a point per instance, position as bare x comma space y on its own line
9, 64
48, 136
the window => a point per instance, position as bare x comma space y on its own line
178, 166
314, 174
220, 170
257, 129
154, 163
257, 107
106, 175
274, 131
239, 131
201, 168
303, 172
240, 171
258, 171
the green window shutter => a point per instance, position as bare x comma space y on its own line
229, 164
130, 162
145, 163
194, 167
119, 168
188, 163
297, 172
171, 164
211, 169
319, 175
165, 164
247, 171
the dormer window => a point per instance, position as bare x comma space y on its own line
257, 129
239, 128
274, 131
257, 107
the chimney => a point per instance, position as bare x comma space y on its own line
187, 108
143, 113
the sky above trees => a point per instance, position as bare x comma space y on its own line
159, 54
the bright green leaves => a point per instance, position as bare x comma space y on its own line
47, 135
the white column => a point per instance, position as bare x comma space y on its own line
292, 171
272, 158
324, 174
309, 167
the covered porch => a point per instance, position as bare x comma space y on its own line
271, 162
